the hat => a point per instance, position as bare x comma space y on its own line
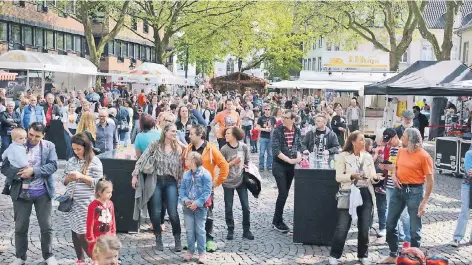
388, 134
408, 114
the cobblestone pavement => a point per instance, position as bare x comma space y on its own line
269, 246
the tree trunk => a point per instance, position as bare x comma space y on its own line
394, 61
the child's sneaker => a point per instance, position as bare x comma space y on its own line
6, 190
25, 195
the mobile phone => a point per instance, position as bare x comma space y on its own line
387, 162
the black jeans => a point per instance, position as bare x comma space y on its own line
209, 220
243, 198
80, 245
283, 175
364, 215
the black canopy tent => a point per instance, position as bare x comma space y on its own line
427, 78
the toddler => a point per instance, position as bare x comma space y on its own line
106, 250
254, 139
16, 155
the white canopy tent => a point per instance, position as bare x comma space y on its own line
159, 70
45, 62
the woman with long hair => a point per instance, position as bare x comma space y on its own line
354, 166
277, 114
184, 122
82, 173
88, 126
165, 156
247, 120
69, 122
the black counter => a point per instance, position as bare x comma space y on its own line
55, 134
117, 167
315, 206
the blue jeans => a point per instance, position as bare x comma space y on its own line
381, 201
166, 189
403, 227
6, 141
243, 198
409, 197
68, 139
195, 227
464, 214
124, 136
266, 146
247, 133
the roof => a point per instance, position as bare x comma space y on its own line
432, 78
27, 60
238, 78
435, 13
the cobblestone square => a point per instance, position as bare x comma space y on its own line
269, 246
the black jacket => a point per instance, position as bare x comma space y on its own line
331, 141
5, 124
279, 144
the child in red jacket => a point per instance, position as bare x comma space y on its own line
254, 139
100, 215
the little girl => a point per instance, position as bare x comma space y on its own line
106, 250
195, 191
100, 214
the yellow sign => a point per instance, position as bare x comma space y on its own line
20, 58
356, 60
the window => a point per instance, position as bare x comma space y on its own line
124, 49
320, 42
78, 44
427, 53
404, 58
180, 66
38, 37
134, 24
314, 45
145, 27
465, 53
148, 54
3, 31
69, 42
51, 3
142, 52
27, 35
313, 65
41, 4
60, 41
328, 46
230, 66
19, 3
153, 55
337, 47
320, 68
454, 52
15, 34
136, 51
309, 64
49, 39
117, 51
131, 50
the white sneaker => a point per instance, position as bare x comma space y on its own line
365, 261
333, 261
51, 261
18, 261
382, 233
455, 243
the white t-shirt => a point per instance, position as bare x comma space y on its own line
70, 120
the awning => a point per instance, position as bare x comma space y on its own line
332, 85
158, 70
4, 76
27, 60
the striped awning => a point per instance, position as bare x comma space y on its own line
4, 76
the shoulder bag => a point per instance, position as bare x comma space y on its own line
66, 201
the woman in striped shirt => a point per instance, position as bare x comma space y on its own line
82, 173
161, 185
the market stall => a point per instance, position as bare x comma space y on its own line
239, 82
431, 78
68, 72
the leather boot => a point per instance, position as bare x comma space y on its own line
178, 244
159, 244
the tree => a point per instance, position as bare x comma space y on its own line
170, 19
388, 25
442, 52
88, 11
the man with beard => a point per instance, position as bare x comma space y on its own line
407, 122
321, 135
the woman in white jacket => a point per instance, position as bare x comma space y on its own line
354, 166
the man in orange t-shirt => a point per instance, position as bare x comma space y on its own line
413, 168
142, 99
227, 118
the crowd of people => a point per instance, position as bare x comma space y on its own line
177, 165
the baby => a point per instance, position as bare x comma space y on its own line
16, 154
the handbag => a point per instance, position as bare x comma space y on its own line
343, 199
66, 201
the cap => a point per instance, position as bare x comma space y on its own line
408, 114
388, 134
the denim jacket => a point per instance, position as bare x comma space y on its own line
202, 179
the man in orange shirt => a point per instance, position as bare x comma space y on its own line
227, 118
142, 99
414, 167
